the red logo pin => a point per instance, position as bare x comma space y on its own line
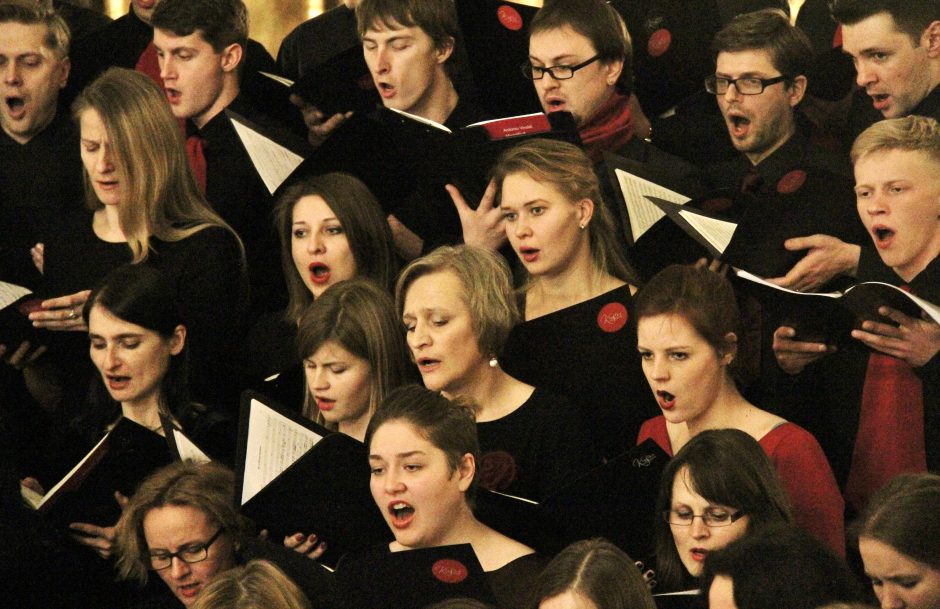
659, 42
509, 17
449, 571
791, 182
612, 317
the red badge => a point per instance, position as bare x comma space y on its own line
791, 182
612, 317
716, 205
509, 17
449, 571
659, 42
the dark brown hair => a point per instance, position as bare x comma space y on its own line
436, 18
363, 223
782, 566
727, 467
597, 21
905, 514
220, 22
910, 16
703, 298
597, 570
449, 425
768, 30
360, 317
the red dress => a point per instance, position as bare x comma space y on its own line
803, 471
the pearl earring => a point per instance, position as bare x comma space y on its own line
493, 361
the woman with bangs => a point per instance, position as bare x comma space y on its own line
718, 488
458, 307
577, 299
424, 454
688, 324
331, 229
143, 207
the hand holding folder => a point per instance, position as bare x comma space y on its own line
294, 475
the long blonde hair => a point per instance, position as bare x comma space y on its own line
162, 199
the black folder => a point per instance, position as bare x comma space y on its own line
464, 158
616, 500
343, 83
127, 455
324, 492
15, 326
497, 37
831, 316
411, 579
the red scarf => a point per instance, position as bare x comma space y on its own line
609, 128
890, 438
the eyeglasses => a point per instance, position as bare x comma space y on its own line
712, 517
556, 72
718, 85
196, 552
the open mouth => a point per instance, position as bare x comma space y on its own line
426, 364
319, 272
188, 590
699, 554
107, 184
879, 100
16, 105
325, 404
386, 90
555, 104
401, 513
666, 400
883, 236
739, 124
173, 96
529, 254
118, 382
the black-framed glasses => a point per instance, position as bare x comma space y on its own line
712, 517
556, 72
746, 85
196, 552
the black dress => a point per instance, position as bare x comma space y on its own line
208, 279
587, 352
536, 449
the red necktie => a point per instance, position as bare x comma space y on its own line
197, 160
890, 438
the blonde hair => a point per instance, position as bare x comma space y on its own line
257, 585
487, 290
209, 487
162, 199
568, 169
911, 133
57, 36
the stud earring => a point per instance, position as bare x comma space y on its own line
582, 226
493, 361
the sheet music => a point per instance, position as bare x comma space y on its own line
421, 119
10, 293
278, 78
274, 443
273, 162
760, 281
187, 449
643, 213
716, 232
